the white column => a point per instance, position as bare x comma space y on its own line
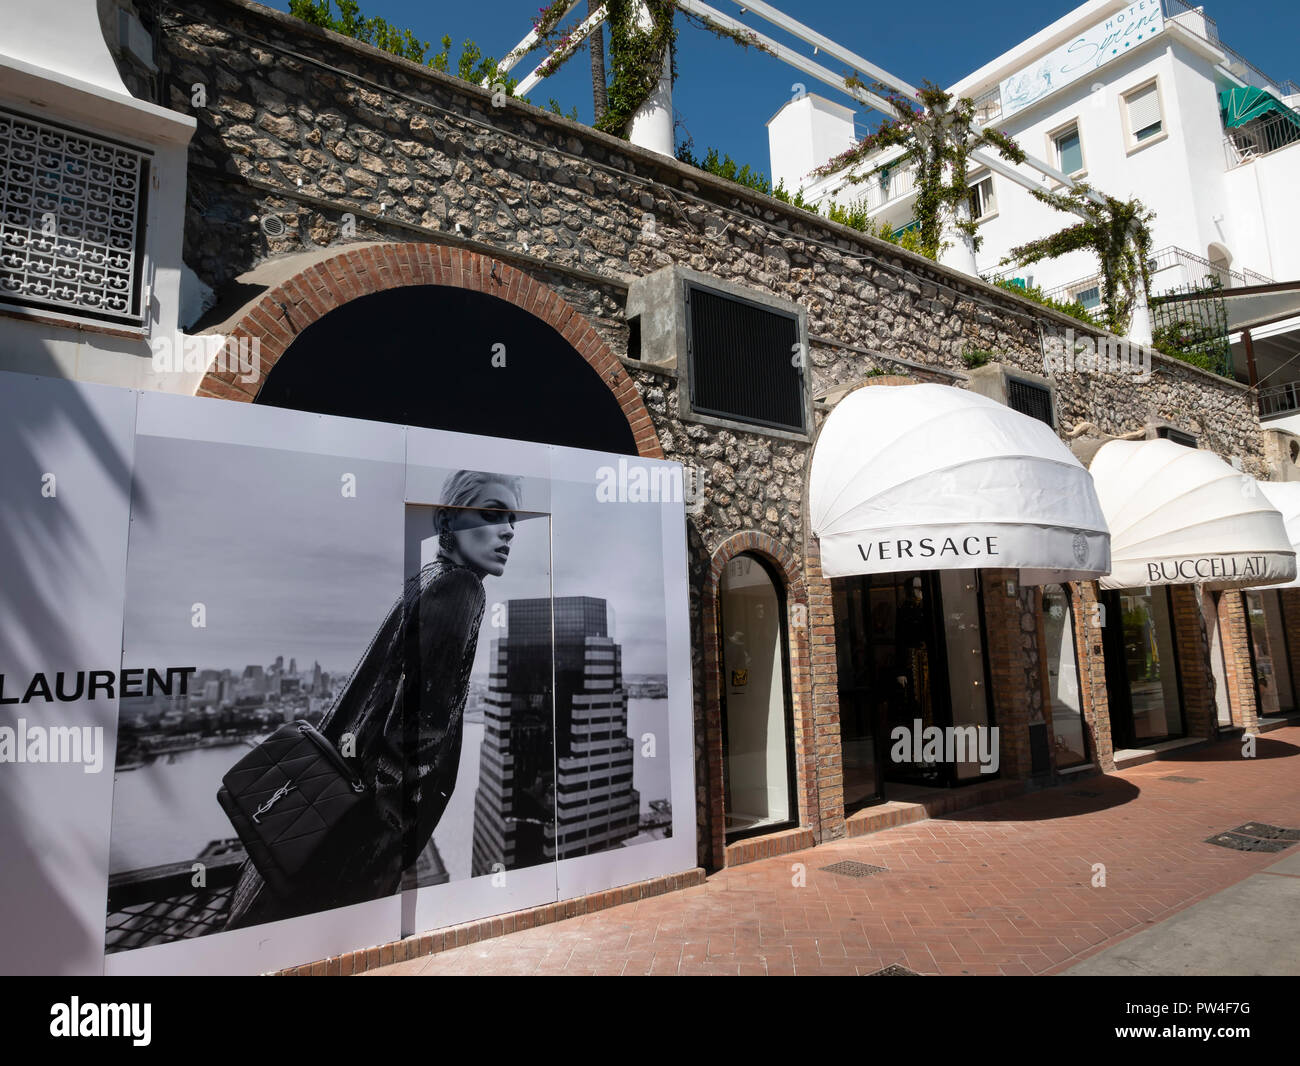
1139, 331
652, 125
960, 253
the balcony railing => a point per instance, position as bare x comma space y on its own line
1195, 20
1177, 268
880, 189
1259, 137
1276, 400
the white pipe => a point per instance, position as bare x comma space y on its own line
579, 35
787, 55
835, 51
524, 47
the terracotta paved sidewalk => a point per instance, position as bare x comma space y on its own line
1002, 889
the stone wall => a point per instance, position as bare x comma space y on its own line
342, 143
408, 151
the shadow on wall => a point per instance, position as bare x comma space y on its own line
63, 461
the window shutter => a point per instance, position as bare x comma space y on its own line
1143, 109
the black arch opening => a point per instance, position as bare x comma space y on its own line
423, 355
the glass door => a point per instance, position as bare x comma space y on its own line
911, 657
757, 751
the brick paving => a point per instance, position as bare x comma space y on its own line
1000, 889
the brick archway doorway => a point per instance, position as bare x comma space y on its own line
440, 337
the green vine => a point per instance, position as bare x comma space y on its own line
937, 140
1118, 232
636, 54
636, 58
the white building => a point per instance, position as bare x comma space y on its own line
1138, 99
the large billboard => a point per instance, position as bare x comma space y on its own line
372, 680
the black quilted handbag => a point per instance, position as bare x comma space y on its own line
297, 806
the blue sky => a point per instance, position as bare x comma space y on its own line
725, 94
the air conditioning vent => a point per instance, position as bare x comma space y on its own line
1030, 399
745, 361
739, 353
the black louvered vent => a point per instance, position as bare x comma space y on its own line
1029, 399
744, 361
1177, 436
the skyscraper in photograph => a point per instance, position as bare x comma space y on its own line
545, 794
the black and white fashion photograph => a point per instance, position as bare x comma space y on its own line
249, 774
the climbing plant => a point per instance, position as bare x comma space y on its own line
937, 139
636, 52
1117, 231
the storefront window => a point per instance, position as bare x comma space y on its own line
1210, 609
1267, 689
1143, 666
758, 790
1271, 604
1069, 737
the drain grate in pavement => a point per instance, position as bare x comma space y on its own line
1267, 832
895, 971
849, 868
1242, 842
1183, 780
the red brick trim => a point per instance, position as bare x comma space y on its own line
455, 936
798, 637
765, 847
284, 312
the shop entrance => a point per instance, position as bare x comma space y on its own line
910, 649
1142, 667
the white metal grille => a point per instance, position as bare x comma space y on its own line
70, 212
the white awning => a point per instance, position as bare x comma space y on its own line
1285, 497
1182, 516
930, 477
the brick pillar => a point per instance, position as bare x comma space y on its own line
1234, 636
1199, 711
824, 687
1089, 623
1011, 626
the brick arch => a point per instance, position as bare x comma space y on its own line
283, 312
797, 636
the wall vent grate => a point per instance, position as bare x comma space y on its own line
72, 210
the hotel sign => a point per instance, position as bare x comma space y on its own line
1107, 40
